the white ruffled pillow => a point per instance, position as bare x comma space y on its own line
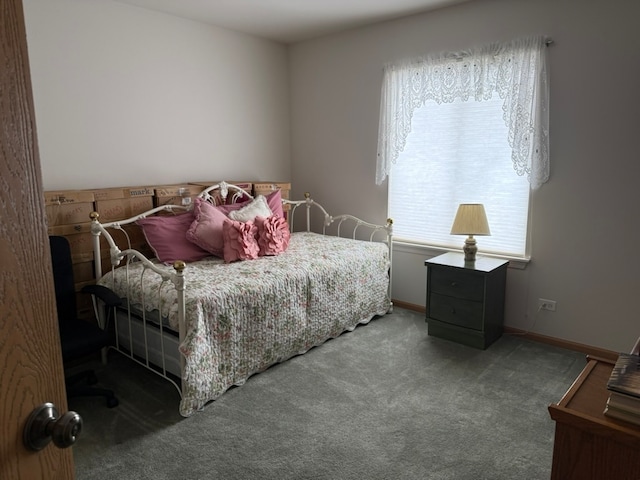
257, 208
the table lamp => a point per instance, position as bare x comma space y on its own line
470, 220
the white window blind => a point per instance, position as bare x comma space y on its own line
458, 153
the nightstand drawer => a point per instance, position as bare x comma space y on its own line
456, 311
456, 284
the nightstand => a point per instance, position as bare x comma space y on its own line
465, 301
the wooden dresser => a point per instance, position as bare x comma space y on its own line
588, 444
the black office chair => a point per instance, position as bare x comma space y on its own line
79, 338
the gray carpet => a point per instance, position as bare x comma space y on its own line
385, 401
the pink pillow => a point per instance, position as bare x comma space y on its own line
274, 200
206, 229
273, 235
166, 235
239, 240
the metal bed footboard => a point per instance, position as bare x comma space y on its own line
122, 259
345, 225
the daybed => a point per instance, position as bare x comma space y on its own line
214, 321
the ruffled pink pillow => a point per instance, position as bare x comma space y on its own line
273, 235
239, 241
206, 229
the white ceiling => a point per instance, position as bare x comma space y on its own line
290, 21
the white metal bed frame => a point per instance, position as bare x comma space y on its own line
177, 277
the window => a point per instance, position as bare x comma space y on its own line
458, 153
465, 128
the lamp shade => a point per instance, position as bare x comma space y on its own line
470, 220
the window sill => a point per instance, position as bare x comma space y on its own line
519, 263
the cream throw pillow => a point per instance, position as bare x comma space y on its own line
257, 208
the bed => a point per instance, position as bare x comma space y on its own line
207, 324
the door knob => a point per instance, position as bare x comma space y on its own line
44, 425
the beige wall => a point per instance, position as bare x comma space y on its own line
585, 226
127, 96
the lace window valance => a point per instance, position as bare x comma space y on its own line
516, 71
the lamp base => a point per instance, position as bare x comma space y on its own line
470, 249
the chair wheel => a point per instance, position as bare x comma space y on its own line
112, 402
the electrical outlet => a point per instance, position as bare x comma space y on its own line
544, 304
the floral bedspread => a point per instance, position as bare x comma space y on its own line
245, 316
